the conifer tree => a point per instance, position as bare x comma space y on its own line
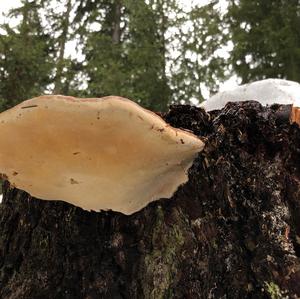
199, 65
162, 54
151, 51
26, 56
61, 26
64, 26
266, 38
125, 56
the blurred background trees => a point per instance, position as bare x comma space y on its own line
155, 52
26, 53
266, 38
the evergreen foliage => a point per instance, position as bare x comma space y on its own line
26, 56
126, 56
199, 63
152, 51
137, 49
266, 38
141, 63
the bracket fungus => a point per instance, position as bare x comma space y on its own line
97, 154
295, 115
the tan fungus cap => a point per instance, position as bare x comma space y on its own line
106, 153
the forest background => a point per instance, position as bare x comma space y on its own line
155, 52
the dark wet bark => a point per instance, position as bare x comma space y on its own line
233, 231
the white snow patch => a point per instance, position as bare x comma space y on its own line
267, 92
1, 196
297, 102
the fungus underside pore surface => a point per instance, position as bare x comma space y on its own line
232, 231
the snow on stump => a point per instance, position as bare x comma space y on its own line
267, 92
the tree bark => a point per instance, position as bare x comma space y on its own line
116, 34
62, 47
232, 231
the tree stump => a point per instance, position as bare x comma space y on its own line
232, 231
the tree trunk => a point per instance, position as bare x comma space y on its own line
116, 34
62, 47
232, 231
